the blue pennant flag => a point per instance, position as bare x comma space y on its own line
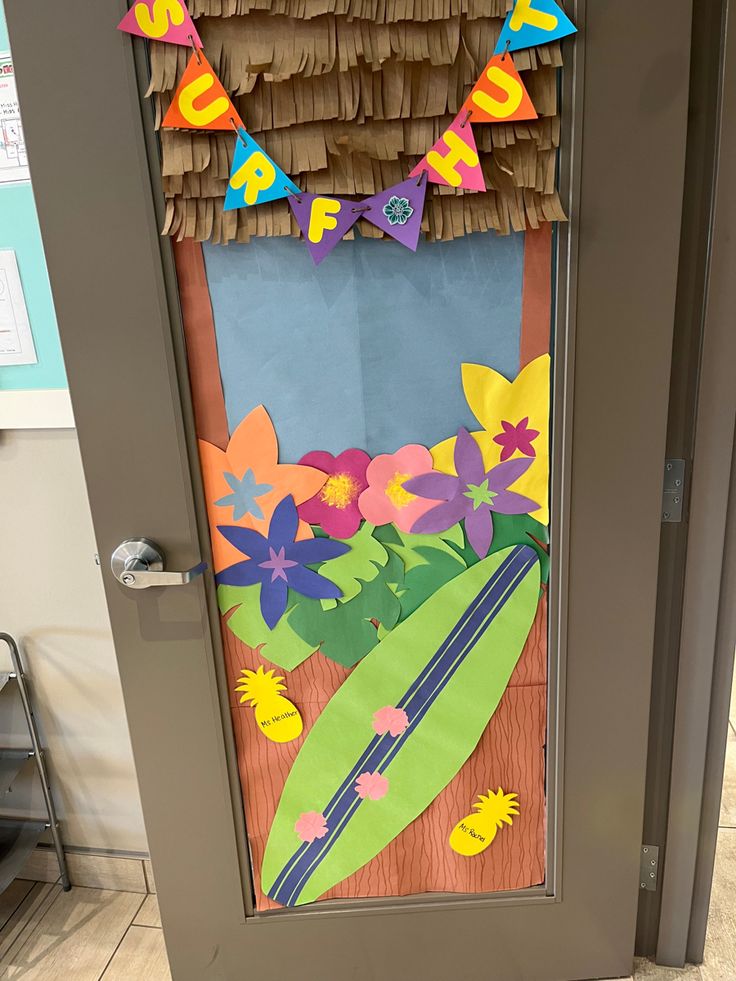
255, 178
533, 22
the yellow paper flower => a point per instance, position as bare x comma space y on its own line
515, 420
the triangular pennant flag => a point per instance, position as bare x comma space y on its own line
453, 160
533, 22
161, 20
255, 178
323, 221
499, 95
201, 102
398, 210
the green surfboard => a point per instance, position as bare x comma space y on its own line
445, 668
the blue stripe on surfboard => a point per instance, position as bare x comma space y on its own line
376, 740
353, 801
418, 699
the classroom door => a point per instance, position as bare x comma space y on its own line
398, 726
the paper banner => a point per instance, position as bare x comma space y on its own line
499, 95
201, 102
278, 718
323, 221
255, 178
398, 210
533, 22
453, 160
474, 833
161, 20
446, 668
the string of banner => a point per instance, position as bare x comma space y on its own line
499, 96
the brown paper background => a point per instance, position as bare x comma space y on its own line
511, 752
347, 96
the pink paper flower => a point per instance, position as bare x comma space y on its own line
386, 498
516, 437
311, 825
390, 719
371, 785
335, 506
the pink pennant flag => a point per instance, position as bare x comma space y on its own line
323, 221
161, 20
453, 160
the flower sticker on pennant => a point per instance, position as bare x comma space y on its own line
398, 210
514, 416
372, 786
311, 825
335, 506
279, 563
474, 494
244, 483
387, 498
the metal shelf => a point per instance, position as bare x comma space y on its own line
18, 838
12, 762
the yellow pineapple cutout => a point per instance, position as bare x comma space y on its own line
474, 833
278, 719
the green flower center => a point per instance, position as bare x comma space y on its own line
479, 494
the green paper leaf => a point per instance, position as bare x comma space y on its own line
447, 719
347, 633
359, 565
405, 544
423, 580
282, 645
521, 529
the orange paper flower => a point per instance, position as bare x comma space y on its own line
244, 483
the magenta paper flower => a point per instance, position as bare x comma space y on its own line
473, 495
311, 825
371, 785
516, 437
335, 506
390, 719
387, 498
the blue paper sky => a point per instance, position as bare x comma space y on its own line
364, 350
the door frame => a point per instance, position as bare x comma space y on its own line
87, 136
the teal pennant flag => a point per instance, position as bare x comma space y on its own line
255, 178
533, 22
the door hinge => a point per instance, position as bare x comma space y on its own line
673, 490
649, 868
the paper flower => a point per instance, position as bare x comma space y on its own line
516, 438
279, 563
311, 825
244, 483
495, 401
390, 719
371, 785
387, 498
335, 506
398, 210
474, 494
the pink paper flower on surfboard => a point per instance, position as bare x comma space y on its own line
387, 499
390, 719
373, 786
335, 506
311, 825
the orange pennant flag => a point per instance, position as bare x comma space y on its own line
499, 95
201, 102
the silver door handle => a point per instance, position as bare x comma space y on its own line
139, 563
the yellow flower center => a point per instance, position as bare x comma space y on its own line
339, 490
396, 493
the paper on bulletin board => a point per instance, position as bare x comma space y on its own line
16, 339
13, 156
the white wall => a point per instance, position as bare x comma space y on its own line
51, 599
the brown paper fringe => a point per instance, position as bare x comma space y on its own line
379, 11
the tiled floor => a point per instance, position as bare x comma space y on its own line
100, 935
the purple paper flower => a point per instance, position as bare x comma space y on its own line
279, 563
473, 495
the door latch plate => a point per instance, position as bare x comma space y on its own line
649, 868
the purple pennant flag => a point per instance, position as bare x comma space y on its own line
398, 210
323, 221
